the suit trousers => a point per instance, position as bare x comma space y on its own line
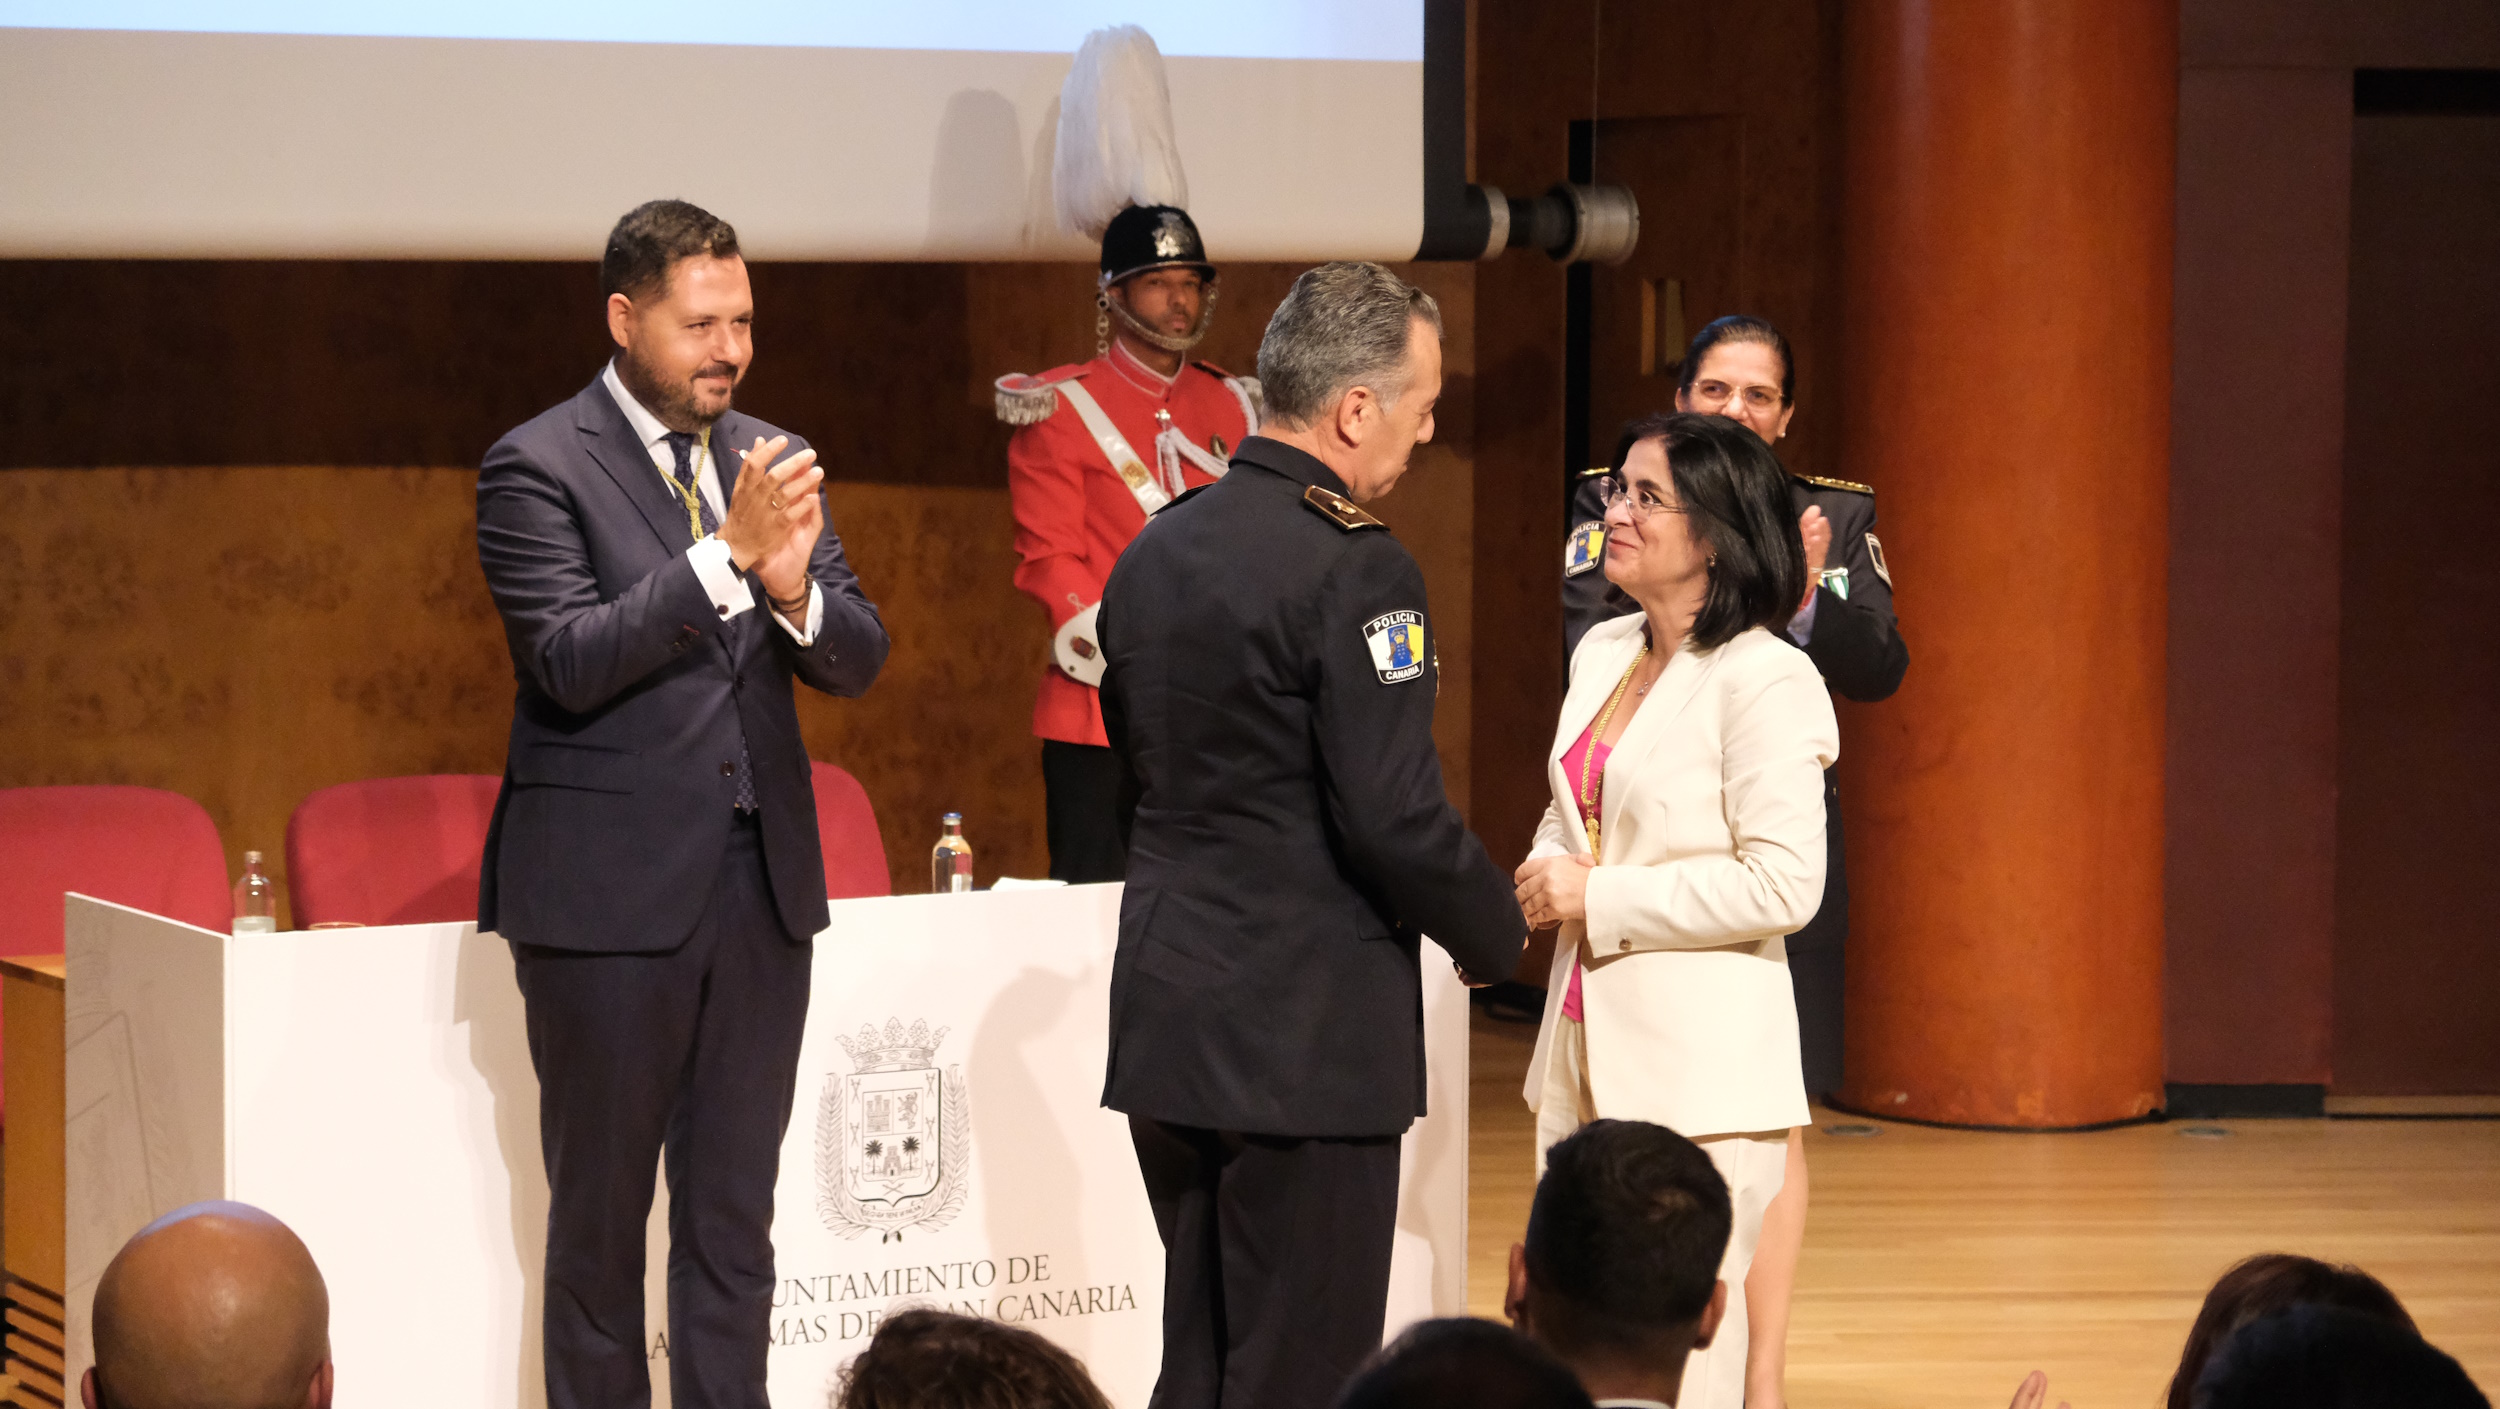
1754, 1163
1081, 806
689, 1053
1276, 1262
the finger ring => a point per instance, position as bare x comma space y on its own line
776, 501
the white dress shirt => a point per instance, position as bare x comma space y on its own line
709, 558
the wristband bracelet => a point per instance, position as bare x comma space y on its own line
798, 603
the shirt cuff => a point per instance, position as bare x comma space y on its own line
1801, 626
815, 617
720, 579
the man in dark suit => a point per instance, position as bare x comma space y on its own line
1269, 684
653, 858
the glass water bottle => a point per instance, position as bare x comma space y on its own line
255, 899
950, 862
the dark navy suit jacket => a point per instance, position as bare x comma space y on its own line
632, 692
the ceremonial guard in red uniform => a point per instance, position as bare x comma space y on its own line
1100, 446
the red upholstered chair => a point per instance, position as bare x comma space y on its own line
847, 828
142, 847
390, 851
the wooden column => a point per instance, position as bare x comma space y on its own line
2006, 377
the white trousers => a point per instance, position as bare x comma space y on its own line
1754, 1164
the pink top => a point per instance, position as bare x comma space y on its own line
1589, 811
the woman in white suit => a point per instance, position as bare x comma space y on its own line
1685, 838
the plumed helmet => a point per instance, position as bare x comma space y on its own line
1145, 237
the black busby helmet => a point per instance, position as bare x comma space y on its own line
1145, 237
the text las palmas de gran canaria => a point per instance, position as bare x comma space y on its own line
848, 1305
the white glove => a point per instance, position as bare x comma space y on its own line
1075, 649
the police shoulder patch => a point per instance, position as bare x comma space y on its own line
1397, 645
1339, 510
1585, 548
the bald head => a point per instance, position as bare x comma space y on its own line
213, 1306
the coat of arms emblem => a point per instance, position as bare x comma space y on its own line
894, 1137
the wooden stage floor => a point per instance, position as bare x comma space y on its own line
1942, 1266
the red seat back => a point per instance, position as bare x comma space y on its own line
390, 851
143, 847
846, 826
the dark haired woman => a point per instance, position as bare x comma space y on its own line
2260, 1286
1741, 367
1685, 838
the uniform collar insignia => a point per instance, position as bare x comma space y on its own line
1339, 510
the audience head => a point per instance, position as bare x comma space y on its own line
2330, 1357
1351, 369
2268, 1283
213, 1306
1462, 1363
927, 1359
1701, 509
1619, 1275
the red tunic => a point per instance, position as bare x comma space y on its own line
1074, 513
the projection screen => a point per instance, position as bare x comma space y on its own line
913, 129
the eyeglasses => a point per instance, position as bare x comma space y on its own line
1720, 394
1640, 503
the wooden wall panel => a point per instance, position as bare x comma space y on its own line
2255, 490
248, 635
2417, 923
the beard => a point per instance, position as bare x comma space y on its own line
675, 403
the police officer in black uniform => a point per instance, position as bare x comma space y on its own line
1741, 367
1269, 683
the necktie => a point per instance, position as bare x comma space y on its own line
701, 522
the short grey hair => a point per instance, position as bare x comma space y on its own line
1342, 325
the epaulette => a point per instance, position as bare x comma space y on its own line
1185, 496
1250, 389
1339, 510
1594, 470
1821, 483
1025, 401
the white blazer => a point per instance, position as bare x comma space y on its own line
1714, 854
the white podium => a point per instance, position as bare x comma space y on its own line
947, 1146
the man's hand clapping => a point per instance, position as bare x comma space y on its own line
775, 516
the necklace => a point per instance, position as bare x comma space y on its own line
1597, 731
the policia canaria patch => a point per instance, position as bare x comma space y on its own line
1584, 548
1397, 644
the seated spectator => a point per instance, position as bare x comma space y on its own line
937, 1360
2268, 1283
1459, 1362
1619, 1275
213, 1306
2329, 1357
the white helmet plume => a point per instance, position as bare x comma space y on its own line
1115, 147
